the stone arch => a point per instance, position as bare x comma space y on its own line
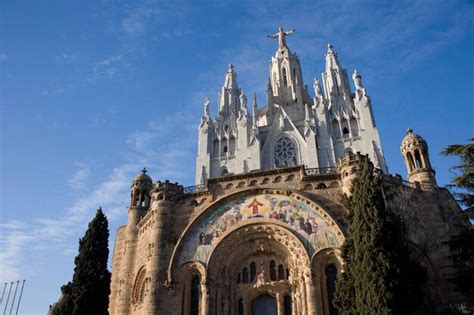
229, 186
328, 232
253, 183
253, 243
334, 185
141, 286
241, 185
410, 161
218, 191
308, 187
319, 263
186, 274
278, 179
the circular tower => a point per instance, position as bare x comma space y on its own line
140, 196
349, 166
415, 153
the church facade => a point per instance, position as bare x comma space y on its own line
261, 231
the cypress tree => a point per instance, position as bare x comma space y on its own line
88, 293
376, 258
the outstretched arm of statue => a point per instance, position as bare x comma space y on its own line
273, 36
290, 32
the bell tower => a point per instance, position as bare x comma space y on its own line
415, 153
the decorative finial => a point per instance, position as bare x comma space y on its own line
255, 100
231, 68
144, 171
409, 130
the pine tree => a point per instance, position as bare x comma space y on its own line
88, 293
376, 260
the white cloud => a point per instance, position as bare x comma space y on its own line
137, 21
106, 68
166, 158
79, 180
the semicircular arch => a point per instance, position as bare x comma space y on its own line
307, 218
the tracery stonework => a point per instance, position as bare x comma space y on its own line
267, 240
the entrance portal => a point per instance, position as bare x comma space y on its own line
264, 305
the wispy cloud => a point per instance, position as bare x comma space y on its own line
146, 147
3, 56
138, 20
79, 180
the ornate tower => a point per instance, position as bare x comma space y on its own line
415, 153
349, 166
349, 115
286, 87
228, 144
122, 279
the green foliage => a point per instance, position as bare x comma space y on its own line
462, 247
88, 293
379, 276
463, 180
65, 304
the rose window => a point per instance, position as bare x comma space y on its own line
285, 152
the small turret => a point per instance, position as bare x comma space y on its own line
415, 153
349, 166
140, 190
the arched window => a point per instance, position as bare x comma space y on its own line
245, 275
281, 272
418, 162
285, 152
140, 287
331, 275
285, 79
238, 278
411, 164
253, 271
224, 171
273, 274
345, 132
240, 307
287, 304
194, 305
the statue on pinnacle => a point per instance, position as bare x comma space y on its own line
281, 36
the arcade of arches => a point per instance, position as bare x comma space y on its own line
260, 265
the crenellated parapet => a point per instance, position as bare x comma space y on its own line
349, 166
167, 191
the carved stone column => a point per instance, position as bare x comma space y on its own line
280, 303
205, 298
310, 296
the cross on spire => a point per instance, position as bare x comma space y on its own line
144, 171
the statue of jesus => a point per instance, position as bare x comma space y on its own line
281, 36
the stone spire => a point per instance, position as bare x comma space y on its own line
335, 76
229, 97
230, 81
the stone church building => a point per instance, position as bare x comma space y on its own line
261, 231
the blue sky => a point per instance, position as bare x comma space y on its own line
92, 91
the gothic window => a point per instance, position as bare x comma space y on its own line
345, 132
194, 305
238, 278
253, 271
287, 304
331, 275
285, 153
281, 272
245, 275
273, 274
225, 149
285, 79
